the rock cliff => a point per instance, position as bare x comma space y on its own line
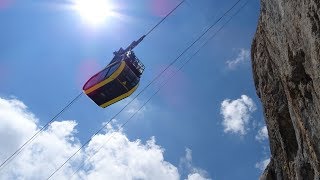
286, 66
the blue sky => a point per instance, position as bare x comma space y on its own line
209, 110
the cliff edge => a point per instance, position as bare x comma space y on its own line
286, 66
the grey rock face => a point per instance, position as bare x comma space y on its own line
286, 68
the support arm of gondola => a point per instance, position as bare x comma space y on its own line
130, 47
121, 51
134, 44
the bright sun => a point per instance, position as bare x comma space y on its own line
93, 11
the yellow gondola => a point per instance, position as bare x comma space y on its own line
116, 81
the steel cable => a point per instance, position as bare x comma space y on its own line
149, 84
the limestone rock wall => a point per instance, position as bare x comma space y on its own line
286, 66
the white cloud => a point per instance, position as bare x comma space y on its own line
47, 151
196, 176
109, 155
23, 123
121, 158
262, 164
242, 57
194, 173
262, 134
236, 114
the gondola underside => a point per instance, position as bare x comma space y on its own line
108, 90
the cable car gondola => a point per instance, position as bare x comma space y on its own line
118, 80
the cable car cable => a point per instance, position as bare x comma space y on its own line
152, 29
157, 77
172, 75
164, 18
185, 63
19, 150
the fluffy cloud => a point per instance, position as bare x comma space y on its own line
23, 122
121, 158
262, 134
45, 153
262, 164
236, 114
109, 155
196, 176
186, 166
243, 56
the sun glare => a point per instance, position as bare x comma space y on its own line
93, 11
